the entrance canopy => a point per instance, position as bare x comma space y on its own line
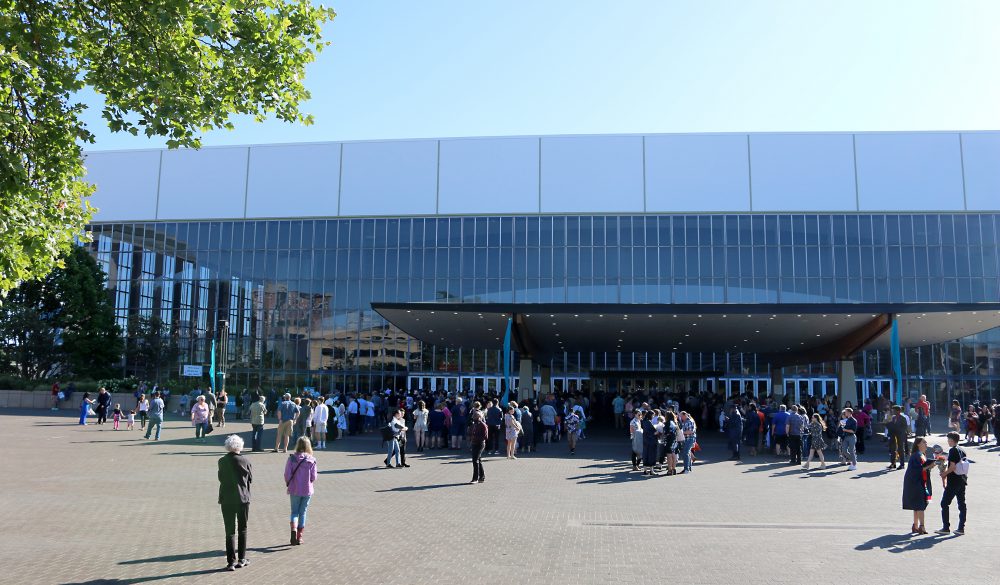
785, 334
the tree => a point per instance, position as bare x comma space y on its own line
62, 325
28, 335
170, 68
90, 335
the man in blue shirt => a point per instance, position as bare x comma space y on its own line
794, 425
780, 426
618, 404
288, 411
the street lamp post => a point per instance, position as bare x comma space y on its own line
223, 352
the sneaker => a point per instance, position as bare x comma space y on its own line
960, 532
942, 531
852, 468
230, 567
242, 563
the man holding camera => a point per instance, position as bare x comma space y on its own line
956, 476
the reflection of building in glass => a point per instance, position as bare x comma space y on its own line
292, 244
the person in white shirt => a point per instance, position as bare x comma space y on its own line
320, 417
355, 414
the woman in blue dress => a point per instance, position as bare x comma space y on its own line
917, 484
85, 407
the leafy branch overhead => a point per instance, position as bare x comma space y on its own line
170, 68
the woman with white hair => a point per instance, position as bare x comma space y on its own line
200, 416
234, 496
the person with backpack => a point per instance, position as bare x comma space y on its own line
956, 477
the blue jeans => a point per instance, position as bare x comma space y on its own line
199, 430
299, 506
393, 450
256, 436
156, 421
686, 452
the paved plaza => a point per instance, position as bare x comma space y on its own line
82, 505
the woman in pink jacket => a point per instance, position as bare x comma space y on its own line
300, 473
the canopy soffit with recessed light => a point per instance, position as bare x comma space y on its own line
784, 334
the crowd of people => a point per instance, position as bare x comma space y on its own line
662, 429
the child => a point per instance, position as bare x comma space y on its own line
183, 405
131, 420
117, 414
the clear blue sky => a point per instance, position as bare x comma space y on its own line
404, 69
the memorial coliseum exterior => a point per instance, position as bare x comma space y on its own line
378, 264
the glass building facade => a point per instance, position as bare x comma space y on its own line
297, 293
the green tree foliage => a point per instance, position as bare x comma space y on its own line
172, 68
62, 325
91, 339
28, 331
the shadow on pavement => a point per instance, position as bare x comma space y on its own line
876, 473
417, 488
897, 543
135, 580
173, 558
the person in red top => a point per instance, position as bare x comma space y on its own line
863, 421
55, 395
923, 405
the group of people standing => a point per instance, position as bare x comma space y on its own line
661, 436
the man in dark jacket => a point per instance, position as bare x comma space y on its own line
897, 428
234, 497
478, 434
734, 430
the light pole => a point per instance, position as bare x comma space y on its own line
223, 352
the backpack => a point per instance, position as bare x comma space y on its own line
387, 433
962, 467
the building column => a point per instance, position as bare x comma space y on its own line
847, 390
778, 382
526, 380
546, 372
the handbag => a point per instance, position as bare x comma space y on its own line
209, 428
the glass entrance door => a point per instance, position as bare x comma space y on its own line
755, 387
805, 389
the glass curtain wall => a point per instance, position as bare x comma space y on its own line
297, 293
